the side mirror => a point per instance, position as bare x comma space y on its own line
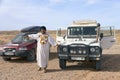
101, 36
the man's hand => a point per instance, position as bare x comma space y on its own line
57, 45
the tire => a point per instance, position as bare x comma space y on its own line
98, 65
6, 58
31, 55
62, 63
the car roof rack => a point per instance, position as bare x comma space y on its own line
31, 29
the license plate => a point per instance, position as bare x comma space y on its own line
9, 53
77, 58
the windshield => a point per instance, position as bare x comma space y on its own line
82, 31
89, 31
20, 38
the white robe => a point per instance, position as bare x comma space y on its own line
43, 49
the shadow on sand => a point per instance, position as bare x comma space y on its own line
52, 56
110, 63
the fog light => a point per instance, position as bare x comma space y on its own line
80, 51
74, 52
84, 51
97, 58
71, 51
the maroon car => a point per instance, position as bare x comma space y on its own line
20, 46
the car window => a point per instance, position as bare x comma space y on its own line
25, 39
17, 39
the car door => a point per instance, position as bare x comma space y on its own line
108, 36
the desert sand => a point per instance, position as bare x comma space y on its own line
20, 69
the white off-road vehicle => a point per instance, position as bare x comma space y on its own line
84, 41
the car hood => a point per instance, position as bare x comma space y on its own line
11, 44
24, 44
85, 42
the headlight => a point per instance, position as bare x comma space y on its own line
73, 51
92, 49
64, 49
13, 50
22, 48
95, 49
84, 52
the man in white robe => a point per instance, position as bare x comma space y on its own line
44, 41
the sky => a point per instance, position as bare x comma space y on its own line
18, 14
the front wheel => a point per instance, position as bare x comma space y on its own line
31, 55
98, 65
6, 58
62, 63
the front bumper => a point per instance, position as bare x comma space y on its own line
15, 54
79, 52
80, 57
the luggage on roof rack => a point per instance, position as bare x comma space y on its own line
31, 29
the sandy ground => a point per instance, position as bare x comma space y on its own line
20, 69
